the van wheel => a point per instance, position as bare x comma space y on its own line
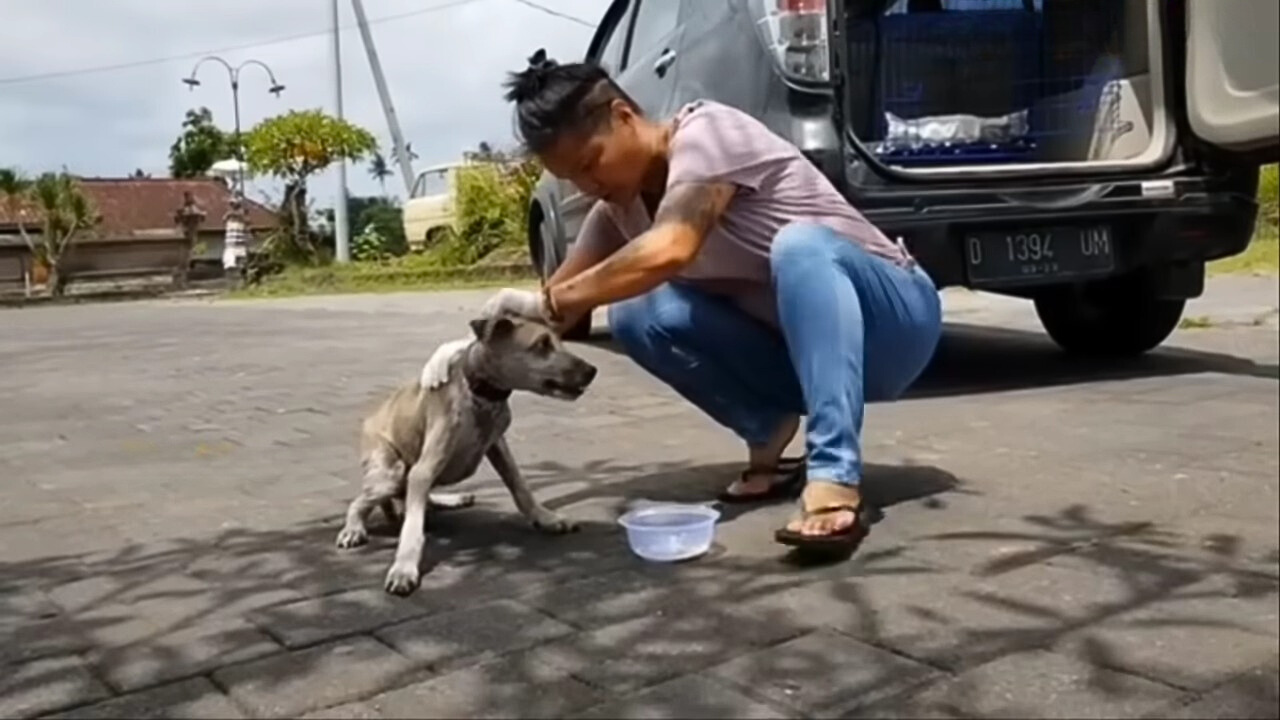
434, 237
546, 261
1112, 318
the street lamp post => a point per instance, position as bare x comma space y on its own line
235, 239
233, 74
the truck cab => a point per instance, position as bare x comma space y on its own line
429, 212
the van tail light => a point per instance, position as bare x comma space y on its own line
796, 32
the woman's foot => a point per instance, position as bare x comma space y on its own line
768, 474
832, 522
764, 483
829, 509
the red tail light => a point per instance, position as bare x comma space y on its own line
796, 32
802, 6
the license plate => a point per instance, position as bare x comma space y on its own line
1029, 256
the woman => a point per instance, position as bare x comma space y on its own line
736, 273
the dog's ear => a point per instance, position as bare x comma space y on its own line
492, 328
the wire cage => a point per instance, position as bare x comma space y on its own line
977, 81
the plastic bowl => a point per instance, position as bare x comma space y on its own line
670, 533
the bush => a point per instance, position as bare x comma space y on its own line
411, 272
369, 245
492, 207
1268, 206
384, 219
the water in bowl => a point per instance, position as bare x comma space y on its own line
669, 533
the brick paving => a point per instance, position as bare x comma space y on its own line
1060, 540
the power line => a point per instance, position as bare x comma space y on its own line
261, 43
557, 13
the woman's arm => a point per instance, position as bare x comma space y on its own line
598, 238
685, 217
591, 247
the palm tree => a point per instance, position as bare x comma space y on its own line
379, 170
64, 211
15, 187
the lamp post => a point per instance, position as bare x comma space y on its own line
235, 241
233, 74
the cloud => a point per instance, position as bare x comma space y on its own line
444, 69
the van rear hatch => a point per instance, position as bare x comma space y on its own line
999, 87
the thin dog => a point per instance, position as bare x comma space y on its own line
428, 435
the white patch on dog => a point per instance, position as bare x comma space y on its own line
435, 371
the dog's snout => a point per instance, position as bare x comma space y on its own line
588, 373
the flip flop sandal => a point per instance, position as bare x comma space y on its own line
845, 540
788, 480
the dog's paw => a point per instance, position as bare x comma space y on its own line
553, 524
402, 580
351, 537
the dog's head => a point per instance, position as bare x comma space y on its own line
520, 354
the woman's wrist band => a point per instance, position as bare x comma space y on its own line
549, 305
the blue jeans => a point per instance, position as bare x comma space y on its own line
855, 327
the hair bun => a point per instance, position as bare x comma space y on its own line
540, 62
528, 83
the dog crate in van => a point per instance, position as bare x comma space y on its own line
984, 82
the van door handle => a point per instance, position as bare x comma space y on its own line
664, 62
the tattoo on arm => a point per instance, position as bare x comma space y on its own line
691, 210
697, 206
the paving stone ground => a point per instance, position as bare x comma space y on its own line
1061, 539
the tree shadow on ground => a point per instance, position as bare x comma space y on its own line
679, 482
505, 611
974, 359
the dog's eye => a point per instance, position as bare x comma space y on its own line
544, 345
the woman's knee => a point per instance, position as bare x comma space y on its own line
628, 319
636, 322
800, 241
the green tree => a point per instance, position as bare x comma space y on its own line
200, 145
295, 146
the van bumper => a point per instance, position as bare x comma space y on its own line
1170, 225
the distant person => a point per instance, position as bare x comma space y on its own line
736, 273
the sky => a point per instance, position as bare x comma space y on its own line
444, 61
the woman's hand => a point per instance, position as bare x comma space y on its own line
509, 301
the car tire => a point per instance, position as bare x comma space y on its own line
547, 262
1114, 318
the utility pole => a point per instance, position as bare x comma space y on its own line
341, 230
388, 109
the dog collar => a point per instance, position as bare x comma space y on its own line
486, 390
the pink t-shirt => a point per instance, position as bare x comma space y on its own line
776, 185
